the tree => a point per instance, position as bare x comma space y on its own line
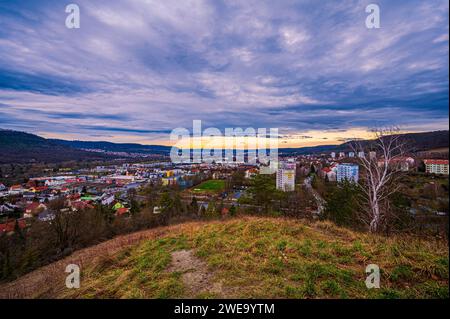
263, 191
342, 205
232, 211
170, 203
194, 206
63, 225
135, 207
238, 178
212, 211
380, 172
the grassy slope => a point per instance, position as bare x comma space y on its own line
272, 258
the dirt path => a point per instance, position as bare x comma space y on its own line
195, 275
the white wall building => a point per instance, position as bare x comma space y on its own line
347, 171
436, 166
286, 177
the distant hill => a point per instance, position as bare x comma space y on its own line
417, 142
20, 147
116, 147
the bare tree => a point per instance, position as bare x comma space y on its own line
382, 166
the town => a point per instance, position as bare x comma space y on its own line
122, 187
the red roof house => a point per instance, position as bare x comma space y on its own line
10, 225
121, 211
225, 212
435, 162
34, 208
81, 205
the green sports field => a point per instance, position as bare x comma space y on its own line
212, 185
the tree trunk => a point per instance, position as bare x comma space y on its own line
374, 223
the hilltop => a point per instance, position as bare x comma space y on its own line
247, 257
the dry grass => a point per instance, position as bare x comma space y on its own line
251, 258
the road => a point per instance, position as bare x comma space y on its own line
320, 201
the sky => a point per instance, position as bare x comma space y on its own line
137, 69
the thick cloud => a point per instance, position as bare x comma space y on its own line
136, 69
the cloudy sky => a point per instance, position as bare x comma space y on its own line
136, 69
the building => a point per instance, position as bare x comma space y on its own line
333, 155
361, 155
10, 225
34, 209
329, 173
351, 154
108, 199
166, 181
372, 155
251, 173
347, 171
286, 177
122, 211
16, 190
271, 169
436, 166
341, 154
403, 163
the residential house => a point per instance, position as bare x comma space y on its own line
16, 190
10, 225
436, 166
80, 205
328, 173
5, 209
251, 173
225, 212
122, 211
28, 195
118, 205
46, 216
34, 209
107, 199
169, 180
